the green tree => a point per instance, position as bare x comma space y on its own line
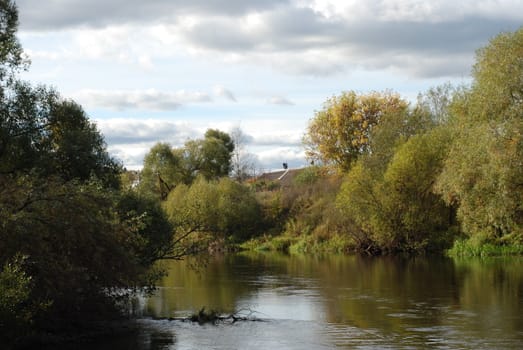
341, 131
218, 208
210, 157
162, 170
48, 136
11, 53
482, 174
152, 228
166, 167
388, 192
85, 245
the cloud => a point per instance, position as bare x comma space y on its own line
279, 100
130, 140
221, 91
139, 99
125, 131
61, 14
305, 37
273, 158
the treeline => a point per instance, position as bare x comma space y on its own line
446, 170
391, 176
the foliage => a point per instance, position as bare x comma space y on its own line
72, 246
16, 309
78, 250
340, 132
152, 227
221, 208
48, 136
389, 193
210, 157
162, 170
482, 175
11, 54
416, 214
165, 168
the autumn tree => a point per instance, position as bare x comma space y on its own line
340, 132
388, 193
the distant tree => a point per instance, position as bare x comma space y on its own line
437, 101
243, 163
340, 132
166, 167
162, 170
210, 156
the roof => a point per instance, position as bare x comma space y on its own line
285, 177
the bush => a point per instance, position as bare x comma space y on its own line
222, 208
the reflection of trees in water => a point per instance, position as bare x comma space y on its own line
388, 293
493, 288
218, 283
395, 295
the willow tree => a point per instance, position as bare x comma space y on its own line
483, 174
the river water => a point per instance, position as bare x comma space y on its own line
335, 302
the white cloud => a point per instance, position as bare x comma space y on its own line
150, 99
221, 91
255, 53
280, 100
130, 140
274, 158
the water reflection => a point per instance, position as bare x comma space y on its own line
341, 302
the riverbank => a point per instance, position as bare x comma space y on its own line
339, 244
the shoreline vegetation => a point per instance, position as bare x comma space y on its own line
80, 235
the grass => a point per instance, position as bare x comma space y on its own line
471, 248
309, 244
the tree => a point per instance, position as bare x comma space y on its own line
437, 101
243, 162
210, 156
482, 175
166, 167
162, 170
340, 132
44, 134
388, 192
218, 208
11, 54
71, 244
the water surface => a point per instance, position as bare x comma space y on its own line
336, 302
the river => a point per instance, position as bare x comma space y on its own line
334, 302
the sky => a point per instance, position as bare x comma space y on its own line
167, 70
